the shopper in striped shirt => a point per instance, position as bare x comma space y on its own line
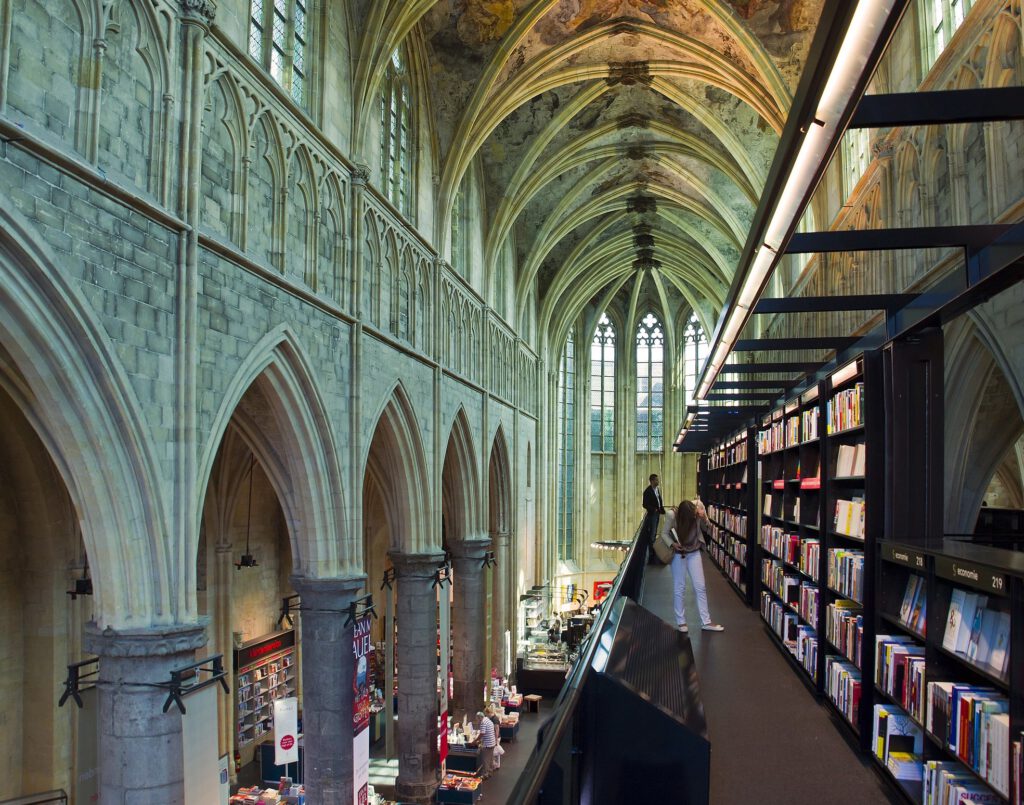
488, 739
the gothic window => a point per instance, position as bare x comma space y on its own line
695, 353
650, 388
395, 135
602, 388
942, 18
856, 157
278, 37
566, 414
460, 238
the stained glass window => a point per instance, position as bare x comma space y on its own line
278, 37
566, 414
395, 134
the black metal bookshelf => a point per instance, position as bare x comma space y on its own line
944, 568
727, 487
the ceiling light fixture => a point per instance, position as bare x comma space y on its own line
870, 25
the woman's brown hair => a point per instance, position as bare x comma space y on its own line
686, 518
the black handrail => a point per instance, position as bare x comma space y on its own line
46, 798
549, 738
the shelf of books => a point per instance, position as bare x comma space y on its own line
728, 495
949, 712
264, 671
815, 529
851, 456
789, 542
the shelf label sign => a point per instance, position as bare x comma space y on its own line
903, 556
361, 648
286, 727
970, 575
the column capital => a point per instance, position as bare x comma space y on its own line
200, 10
152, 641
410, 564
471, 549
327, 595
501, 539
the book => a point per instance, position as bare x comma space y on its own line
971, 603
908, 597
999, 656
976, 628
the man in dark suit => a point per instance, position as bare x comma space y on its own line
654, 508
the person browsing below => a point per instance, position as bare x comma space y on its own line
488, 740
654, 508
684, 527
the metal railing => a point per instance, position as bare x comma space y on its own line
45, 798
628, 583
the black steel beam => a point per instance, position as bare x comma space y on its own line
821, 304
720, 385
939, 107
765, 344
975, 236
764, 395
802, 367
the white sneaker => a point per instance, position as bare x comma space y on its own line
683, 628
713, 627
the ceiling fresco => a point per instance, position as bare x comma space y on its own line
616, 141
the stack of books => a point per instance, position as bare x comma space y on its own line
846, 572
849, 518
974, 722
899, 671
844, 629
846, 409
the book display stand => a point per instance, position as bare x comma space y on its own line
727, 490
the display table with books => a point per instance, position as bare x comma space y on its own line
459, 789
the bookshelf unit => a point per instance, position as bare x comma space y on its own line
264, 671
727, 489
852, 460
789, 548
952, 572
821, 465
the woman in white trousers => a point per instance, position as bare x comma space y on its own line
683, 531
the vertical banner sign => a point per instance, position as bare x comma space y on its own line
286, 728
361, 647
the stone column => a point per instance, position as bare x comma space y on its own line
140, 746
327, 664
469, 625
499, 597
224, 644
416, 610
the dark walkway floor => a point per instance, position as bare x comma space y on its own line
771, 741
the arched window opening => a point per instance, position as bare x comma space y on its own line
695, 353
602, 387
942, 19
278, 36
650, 388
856, 157
396, 135
460, 238
566, 413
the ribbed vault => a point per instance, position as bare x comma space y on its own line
618, 143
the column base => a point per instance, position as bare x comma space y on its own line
419, 793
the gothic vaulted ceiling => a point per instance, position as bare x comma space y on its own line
617, 140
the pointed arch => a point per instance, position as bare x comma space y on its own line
281, 414
60, 369
499, 482
396, 464
460, 482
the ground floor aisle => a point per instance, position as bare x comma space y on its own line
771, 740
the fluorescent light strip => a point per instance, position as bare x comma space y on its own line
862, 34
